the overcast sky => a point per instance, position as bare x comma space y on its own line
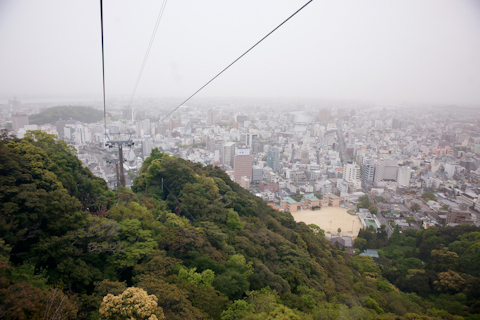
399, 51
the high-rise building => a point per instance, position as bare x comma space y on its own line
324, 115
228, 154
368, 167
257, 173
19, 120
274, 153
449, 169
210, 117
146, 148
250, 138
403, 176
243, 163
351, 172
257, 146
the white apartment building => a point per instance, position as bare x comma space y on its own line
351, 172
228, 153
449, 169
403, 176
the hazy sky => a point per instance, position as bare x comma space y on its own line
399, 51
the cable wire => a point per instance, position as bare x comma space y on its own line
159, 18
241, 56
103, 69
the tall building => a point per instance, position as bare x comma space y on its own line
324, 115
386, 170
368, 167
146, 148
351, 172
449, 169
210, 117
240, 119
403, 176
257, 173
19, 120
257, 146
250, 138
228, 154
142, 128
274, 154
243, 164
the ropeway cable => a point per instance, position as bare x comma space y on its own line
241, 56
159, 18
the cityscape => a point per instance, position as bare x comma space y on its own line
288, 152
240, 160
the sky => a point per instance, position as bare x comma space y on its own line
425, 51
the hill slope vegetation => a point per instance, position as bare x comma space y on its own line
195, 247
52, 115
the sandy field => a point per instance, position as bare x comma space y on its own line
339, 219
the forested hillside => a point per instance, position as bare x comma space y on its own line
52, 115
195, 247
441, 265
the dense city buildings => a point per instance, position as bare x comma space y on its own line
392, 154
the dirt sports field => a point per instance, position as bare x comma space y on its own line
339, 219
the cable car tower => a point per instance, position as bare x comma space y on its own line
116, 141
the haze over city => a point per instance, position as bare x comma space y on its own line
395, 51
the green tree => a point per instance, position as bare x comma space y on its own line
205, 278
415, 207
360, 243
138, 243
233, 220
234, 281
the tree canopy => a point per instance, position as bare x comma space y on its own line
203, 248
79, 113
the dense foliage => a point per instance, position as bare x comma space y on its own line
196, 246
439, 264
51, 115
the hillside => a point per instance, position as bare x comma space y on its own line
197, 247
52, 115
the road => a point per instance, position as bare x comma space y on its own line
384, 221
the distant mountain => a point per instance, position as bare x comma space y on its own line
52, 115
